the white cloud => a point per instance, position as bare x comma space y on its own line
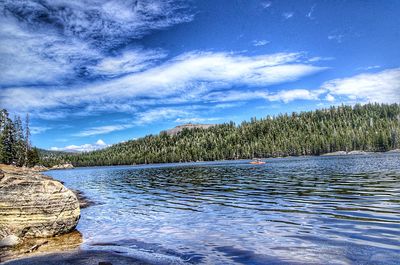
337, 37
103, 130
143, 117
100, 144
370, 67
105, 23
236, 95
57, 42
310, 13
381, 87
228, 105
318, 59
283, 95
294, 94
266, 4
21, 56
157, 114
260, 42
38, 129
288, 15
183, 79
128, 62
330, 98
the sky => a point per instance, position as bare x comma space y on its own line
94, 73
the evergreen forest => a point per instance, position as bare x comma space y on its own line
369, 127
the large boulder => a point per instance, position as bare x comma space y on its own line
33, 205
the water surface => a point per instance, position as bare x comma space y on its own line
308, 210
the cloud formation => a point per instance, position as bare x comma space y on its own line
59, 42
99, 22
186, 78
103, 129
383, 86
257, 43
100, 144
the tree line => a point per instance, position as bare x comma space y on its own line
15, 145
370, 127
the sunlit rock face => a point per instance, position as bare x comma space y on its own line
33, 205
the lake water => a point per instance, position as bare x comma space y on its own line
308, 210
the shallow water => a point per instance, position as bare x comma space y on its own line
308, 210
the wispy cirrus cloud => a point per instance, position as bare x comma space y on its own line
310, 13
128, 62
287, 15
157, 114
102, 23
185, 78
266, 4
39, 129
336, 37
257, 43
283, 95
102, 130
51, 43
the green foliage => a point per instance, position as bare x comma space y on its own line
15, 147
33, 157
371, 127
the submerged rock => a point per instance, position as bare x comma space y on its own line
33, 205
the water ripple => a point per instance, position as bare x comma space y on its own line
311, 210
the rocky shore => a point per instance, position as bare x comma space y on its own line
354, 152
33, 206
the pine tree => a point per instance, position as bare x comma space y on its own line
27, 140
19, 142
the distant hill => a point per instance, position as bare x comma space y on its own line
189, 126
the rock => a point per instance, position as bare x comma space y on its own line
342, 153
9, 241
358, 152
38, 168
63, 166
33, 205
394, 151
337, 153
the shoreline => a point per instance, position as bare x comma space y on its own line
331, 154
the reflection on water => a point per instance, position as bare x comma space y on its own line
311, 210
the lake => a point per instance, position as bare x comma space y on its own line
306, 210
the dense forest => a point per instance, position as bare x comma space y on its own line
15, 145
370, 127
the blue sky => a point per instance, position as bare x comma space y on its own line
93, 73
